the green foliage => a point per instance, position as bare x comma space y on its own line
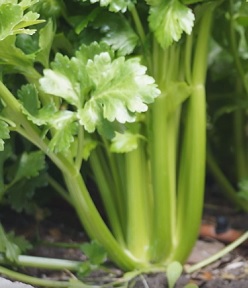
14, 20
4, 133
121, 84
21, 176
115, 5
174, 271
100, 97
11, 246
169, 19
96, 256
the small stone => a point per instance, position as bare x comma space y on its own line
9, 284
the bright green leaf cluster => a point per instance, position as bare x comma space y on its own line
116, 94
169, 19
14, 20
115, 5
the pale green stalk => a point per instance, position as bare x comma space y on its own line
191, 180
94, 224
163, 143
103, 180
44, 263
218, 255
87, 212
138, 212
41, 282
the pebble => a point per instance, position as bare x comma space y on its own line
9, 284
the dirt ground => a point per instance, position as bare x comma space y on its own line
231, 271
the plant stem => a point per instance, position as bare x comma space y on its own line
42, 282
59, 189
82, 201
163, 145
222, 180
138, 222
218, 255
142, 35
105, 186
163, 181
94, 224
44, 263
192, 163
79, 156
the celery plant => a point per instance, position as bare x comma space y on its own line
91, 103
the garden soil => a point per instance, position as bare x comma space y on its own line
231, 271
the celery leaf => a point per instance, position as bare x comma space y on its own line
30, 165
117, 32
169, 19
121, 89
14, 56
11, 250
28, 95
13, 19
68, 79
66, 129
114, 5
103, 89
4, 133
124, 142
20, 195
11, 245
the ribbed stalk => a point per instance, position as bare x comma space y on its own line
103, 180
138, 212
94, 224
191, 180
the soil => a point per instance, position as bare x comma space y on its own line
231, 271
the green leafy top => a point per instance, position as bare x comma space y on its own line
13, 18
102, 89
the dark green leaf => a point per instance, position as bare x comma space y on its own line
30, 165
13, 56
29, 97
117, 32
9, 249
95, 253
20, 241
20, 195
